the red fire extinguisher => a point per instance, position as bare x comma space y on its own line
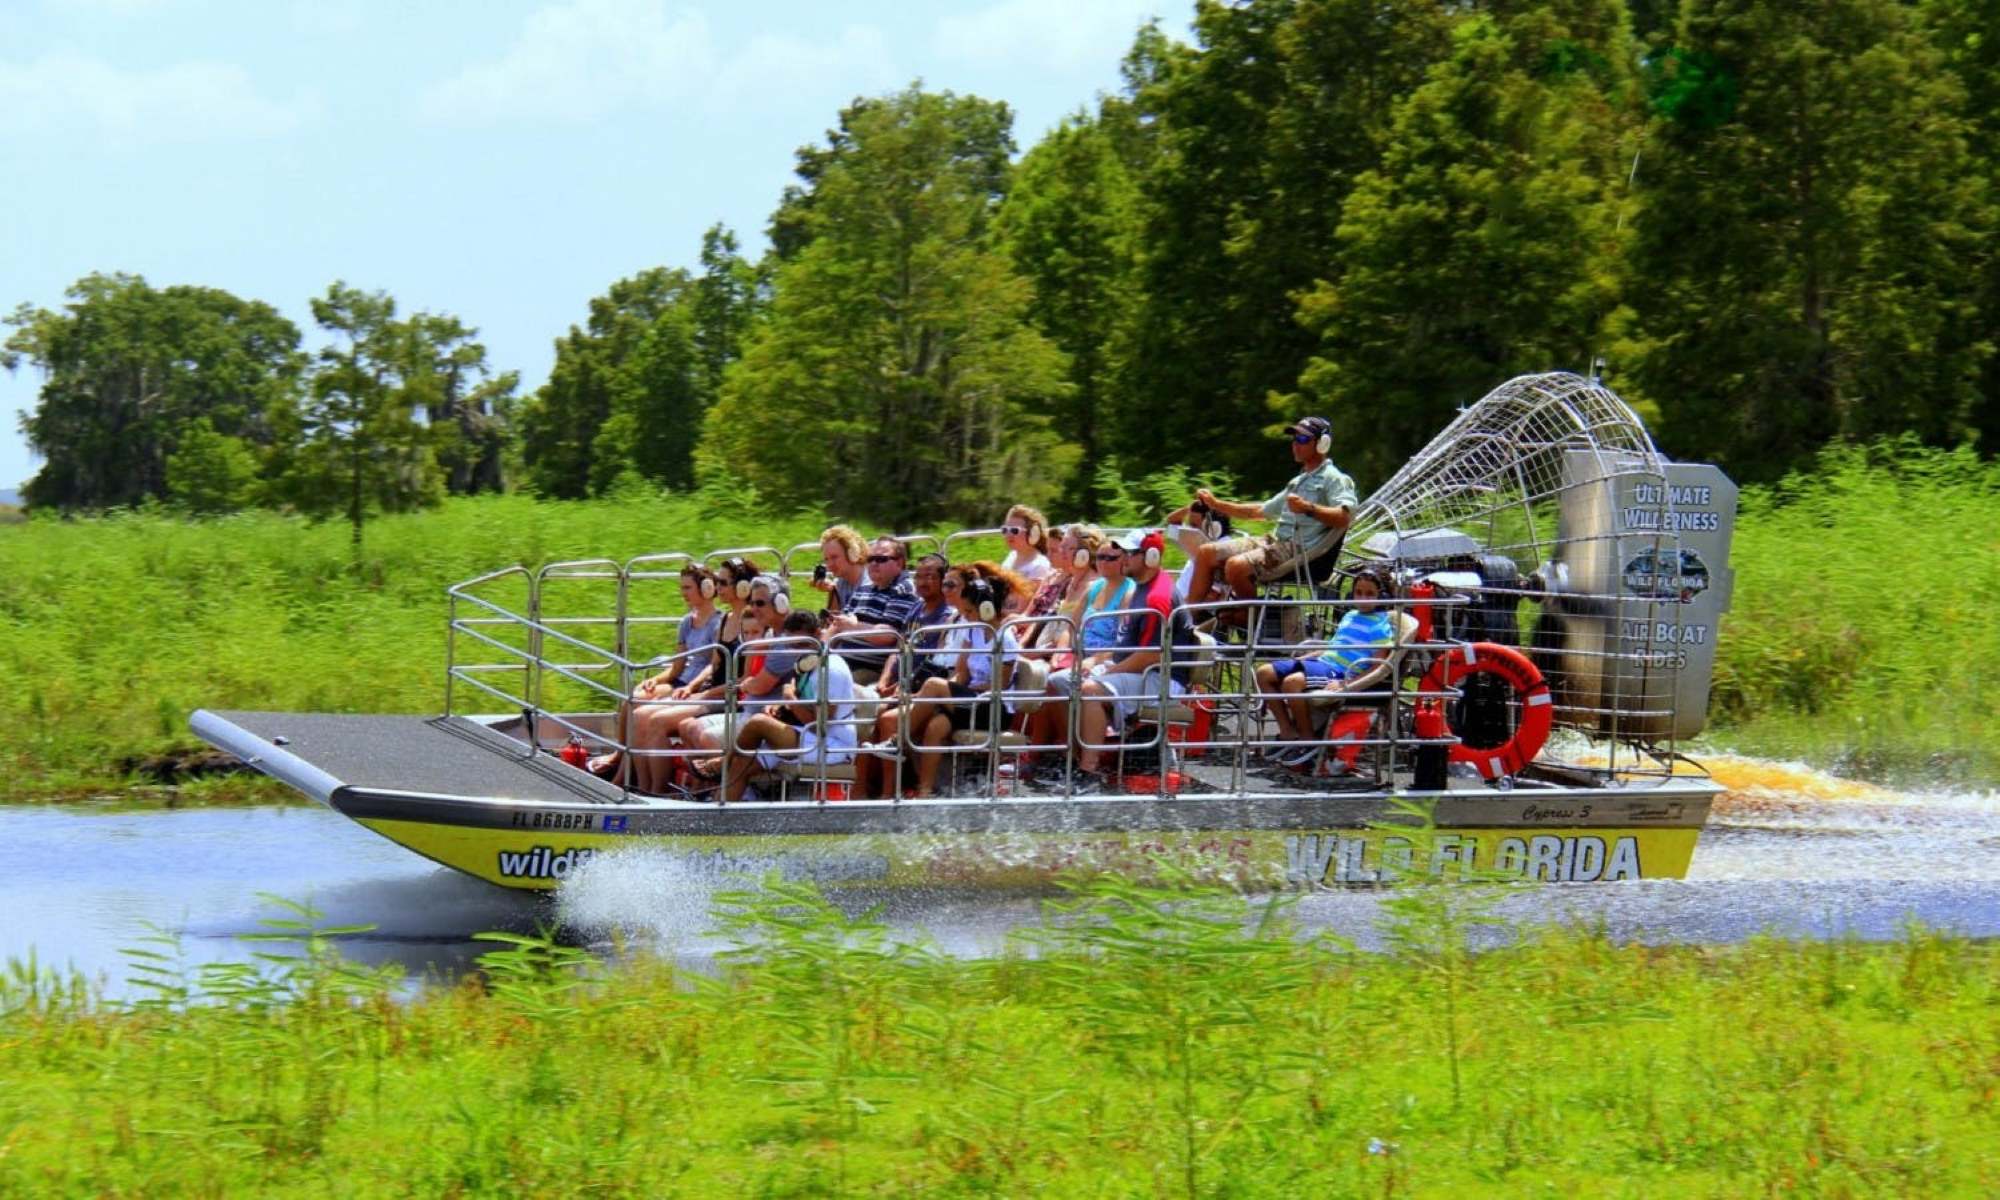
575, 753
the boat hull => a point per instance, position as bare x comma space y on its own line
465, 795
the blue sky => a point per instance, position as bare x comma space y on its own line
501, 160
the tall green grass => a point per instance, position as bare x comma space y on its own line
1862, 633
1158, 1043
113, 629
1865, 632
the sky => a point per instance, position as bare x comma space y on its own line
500, 160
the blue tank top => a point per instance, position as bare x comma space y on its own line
1101, 633
1357, 639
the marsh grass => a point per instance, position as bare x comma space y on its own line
1862, 635
1144, 1041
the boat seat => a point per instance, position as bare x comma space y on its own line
1029, 675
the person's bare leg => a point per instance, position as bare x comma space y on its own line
1242, 580
936, 733
1096, 723
758, 732
1205, 561
923, 703
1267, 686
1301, 723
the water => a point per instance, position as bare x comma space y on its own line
1789, 850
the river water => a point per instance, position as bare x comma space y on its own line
1789, 850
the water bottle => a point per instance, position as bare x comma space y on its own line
575, 753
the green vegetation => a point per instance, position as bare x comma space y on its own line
113, 629
1158, 1043
1375, 211
1862, 630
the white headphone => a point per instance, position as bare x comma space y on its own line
1324, 444
781, 602
808, 663
1211, 525
1081, 559
708, 587
1034, 532
1152, 556
986, 609
743, 588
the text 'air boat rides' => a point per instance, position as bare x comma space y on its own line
1518, 630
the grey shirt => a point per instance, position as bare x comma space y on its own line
1323, 485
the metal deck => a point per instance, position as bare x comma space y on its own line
321, 754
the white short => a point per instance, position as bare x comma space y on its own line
1131, 690
838, 751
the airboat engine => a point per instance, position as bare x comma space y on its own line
1547, 506
1633, 593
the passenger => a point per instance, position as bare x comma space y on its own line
923, 633
1312, 511
1026, 531
765, 669
1354, 661
876, 613
1052, 597
655, 726
1112, 683
698, 630
841, 551
979, 593
762, 735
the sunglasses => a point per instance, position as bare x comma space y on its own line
1012, 529
760, 604
879, 559
1112, 556
949, 585
1300, 439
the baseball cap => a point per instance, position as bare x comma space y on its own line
1131, 542
1309, 427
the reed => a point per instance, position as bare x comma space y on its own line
1150, 1041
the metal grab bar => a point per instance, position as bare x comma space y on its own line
478, 619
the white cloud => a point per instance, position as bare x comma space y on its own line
1063, 34
68, 94
578, 60
858, 62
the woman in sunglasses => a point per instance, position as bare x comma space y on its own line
1026, 532
765, 670
685, 672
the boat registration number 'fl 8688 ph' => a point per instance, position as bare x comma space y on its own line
1318, 859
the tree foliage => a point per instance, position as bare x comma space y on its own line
1484, 246
1812, 240
898, 375
127, 368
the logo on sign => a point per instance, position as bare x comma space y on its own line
1667, 575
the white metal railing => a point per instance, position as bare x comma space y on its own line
526, 649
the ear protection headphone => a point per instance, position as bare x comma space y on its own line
781, 602
980, 593
808, 663
1152, 556
1081, 559
707, 586
743, 587
1211, 526
1324, 444
1034, 532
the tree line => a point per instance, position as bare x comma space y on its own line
1768, 225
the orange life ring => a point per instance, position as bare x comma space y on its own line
1537, 706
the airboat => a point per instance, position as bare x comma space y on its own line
1558, 581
